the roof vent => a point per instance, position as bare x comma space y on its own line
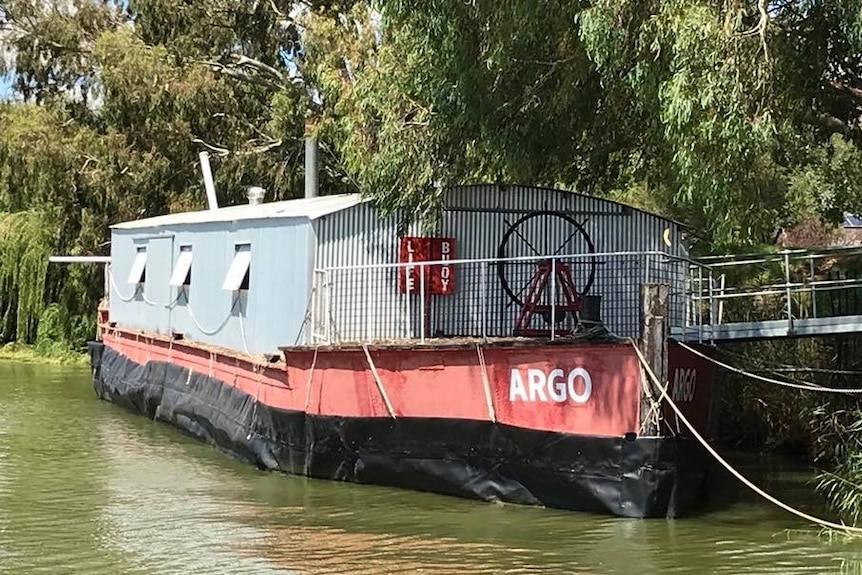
255, 195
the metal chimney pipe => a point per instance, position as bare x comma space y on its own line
255, 195
310, 166
212, 203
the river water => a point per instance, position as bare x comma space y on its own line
86, 487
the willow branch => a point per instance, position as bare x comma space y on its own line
762, 6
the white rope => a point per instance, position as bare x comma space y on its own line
808, 386
779, 367
379, 383
201, 328
116, 289
242, 333
308, 383
130, 298
259, 369
654, 414
795, 369
486, 384
734, 472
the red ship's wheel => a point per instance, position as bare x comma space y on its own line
535, 234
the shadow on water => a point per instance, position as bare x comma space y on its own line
91, 487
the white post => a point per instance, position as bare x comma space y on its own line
107, 272
483, 299
422, 310
811, 280
553, 297
787, 291
713, 311
700, 303
367, 307
209, 186
327, 286
315, 293
409, 326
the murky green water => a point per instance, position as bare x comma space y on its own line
86, 487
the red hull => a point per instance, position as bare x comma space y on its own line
585, 389
591, 389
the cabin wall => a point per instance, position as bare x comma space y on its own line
270, 313
365, 304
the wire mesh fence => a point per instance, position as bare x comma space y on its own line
492, 298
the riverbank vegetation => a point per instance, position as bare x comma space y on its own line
738, 117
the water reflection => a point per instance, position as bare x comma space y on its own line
86, 487
51, 475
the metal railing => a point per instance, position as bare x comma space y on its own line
787, 285
490, 298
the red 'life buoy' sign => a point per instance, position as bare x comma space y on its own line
439, 278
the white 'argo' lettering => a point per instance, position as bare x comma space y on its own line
684, 384
576, 385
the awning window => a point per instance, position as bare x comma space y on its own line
139, 267
238, 274
182, 270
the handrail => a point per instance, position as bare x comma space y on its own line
701, 290
397, 265
79, 259
798, 286
802, 252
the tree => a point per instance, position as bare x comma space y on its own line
720, 113
110, 128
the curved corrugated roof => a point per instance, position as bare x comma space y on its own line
311, 208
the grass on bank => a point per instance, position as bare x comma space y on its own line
51, 354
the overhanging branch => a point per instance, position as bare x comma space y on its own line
835, 125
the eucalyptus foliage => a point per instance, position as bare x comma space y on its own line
740, 118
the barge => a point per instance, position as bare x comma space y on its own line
489, 354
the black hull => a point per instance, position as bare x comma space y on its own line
640, 477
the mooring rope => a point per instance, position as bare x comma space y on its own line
779, 368
808, 386
486, 384
653, 416
730, 468
308, 383
378, 382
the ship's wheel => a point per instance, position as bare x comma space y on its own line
553, 279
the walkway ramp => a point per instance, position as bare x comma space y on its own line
793, 293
